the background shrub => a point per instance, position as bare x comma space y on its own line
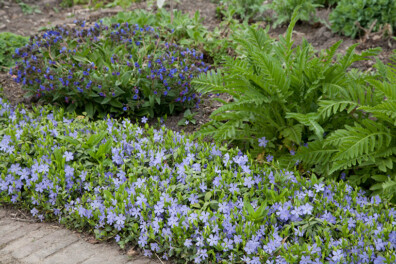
109, 69
8, 43
242, 9
186, 31
99, 3
344, 17
284, 10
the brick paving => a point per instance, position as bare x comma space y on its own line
25, 242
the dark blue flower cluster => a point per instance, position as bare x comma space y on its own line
109, 69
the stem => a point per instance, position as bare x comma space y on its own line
171, 9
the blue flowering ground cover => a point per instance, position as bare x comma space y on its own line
189, 201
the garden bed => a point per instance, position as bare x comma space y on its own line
16, 21
153, 184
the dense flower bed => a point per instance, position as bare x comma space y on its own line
118, 69
175, 197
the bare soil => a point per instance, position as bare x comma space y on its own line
13, 19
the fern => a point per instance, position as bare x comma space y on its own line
365, 149
277, 90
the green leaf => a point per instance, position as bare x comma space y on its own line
94, 139
208, 195
116, 103
69, 139
380, 178
249, 208
89, 108
293, 133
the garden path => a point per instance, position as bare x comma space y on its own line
25, 241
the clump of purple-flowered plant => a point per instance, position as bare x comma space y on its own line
178, 198
118, 69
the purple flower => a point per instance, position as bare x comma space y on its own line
263, 142
193, 198
68, 156
283, 214
305, 260
120, 220
306, 209
237, 239
269, 158
233, 187
213, 240
251, 246
248, 182
34, 211
337, 255
203, 187
228, 244
255, 260
188, 243
144, 120
204, 217
154, 247
319, 187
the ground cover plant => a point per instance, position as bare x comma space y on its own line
8, 43
176, 197
196, 202
98, 3
242, 9
349, 17
284, 10
131, 70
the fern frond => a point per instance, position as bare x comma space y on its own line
210, 82
250, 105
354, 142
388, 89
270, 76
330, 52
309, 120
293, 133
255, 38
345, 164
327, 108
315, 153
385, 111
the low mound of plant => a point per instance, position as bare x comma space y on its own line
118, 69
183, 199
248, 10
8, 43
351, 17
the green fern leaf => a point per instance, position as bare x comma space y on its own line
328, 108
315, 153
309, 120
359, 140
